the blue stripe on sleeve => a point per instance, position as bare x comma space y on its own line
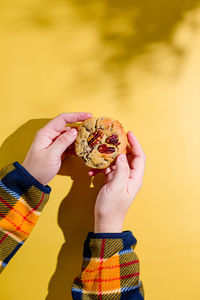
8, 258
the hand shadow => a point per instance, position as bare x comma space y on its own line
75, 217
16, 146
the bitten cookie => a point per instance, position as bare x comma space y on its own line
99, 141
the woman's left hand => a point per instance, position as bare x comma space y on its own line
44, 157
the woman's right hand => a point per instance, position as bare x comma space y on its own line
122, 182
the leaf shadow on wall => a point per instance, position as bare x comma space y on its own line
125, 27
75, 215
125, 32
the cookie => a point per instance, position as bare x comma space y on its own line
99, 141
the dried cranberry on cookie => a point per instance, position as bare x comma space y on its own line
99, 141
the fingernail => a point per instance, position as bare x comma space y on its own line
123, 157
73, 131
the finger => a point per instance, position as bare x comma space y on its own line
61, 132
113, 168
94, 172
128, 150
121, 173
62, 142
110, 176
137, 164
57, 124
129, 153
108, 170
53, 128
136, 148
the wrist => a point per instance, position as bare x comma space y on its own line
22, 175
33, 173
108, 225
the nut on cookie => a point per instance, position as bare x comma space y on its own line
99, 141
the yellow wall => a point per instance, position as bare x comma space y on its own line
138, 63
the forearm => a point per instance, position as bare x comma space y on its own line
110, 268
22, 199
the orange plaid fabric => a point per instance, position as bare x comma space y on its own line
110, 268
22, 199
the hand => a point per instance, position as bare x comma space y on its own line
123, 181
43, 160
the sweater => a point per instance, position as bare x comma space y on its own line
110, 268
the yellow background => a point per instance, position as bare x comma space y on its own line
135, 61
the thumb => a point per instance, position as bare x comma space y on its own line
122, 171
63, 141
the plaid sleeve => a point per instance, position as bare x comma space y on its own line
110, 268
22, 199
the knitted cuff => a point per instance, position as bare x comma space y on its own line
25, 179
119, 241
